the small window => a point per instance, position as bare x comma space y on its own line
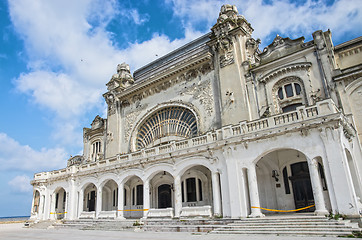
140, 195
96, 148
286, 181
182, 192
200, 190
280, 93
289, 90
56, 200
125, 197
323, 178
298, 89
191, 189
292, 107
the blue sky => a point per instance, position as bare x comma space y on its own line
56, 57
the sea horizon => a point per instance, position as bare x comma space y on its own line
14, 218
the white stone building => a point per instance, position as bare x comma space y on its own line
218, 127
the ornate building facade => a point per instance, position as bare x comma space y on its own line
220, 128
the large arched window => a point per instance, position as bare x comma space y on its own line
167, 124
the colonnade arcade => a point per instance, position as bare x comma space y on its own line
278, 179
188, 192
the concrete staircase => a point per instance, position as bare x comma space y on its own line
98, 224
186, 225
296, 225
290, 225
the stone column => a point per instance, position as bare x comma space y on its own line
120, 207
146, 198
177, 196
32, 206
99, 201
216, 194
72, 201
41, 206
254, 192
320, 205
52, 207
80, 203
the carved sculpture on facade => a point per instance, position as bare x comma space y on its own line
204, 93
228, 20
111, 102
122, 79
252, 47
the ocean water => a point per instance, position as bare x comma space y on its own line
17, 218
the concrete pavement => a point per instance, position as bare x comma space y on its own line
16, 231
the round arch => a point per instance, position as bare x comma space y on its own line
151, 171
183, 165
187, 106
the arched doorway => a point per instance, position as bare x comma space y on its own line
284, 181
302, 187
36, 202
356, 178
164, 196
89, 198
196, 192
60, 203
110, 196
133, 198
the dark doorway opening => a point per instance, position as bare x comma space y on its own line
92, 201
302, 188
164, 196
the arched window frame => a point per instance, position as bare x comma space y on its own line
292, 100
166, 123
95, 149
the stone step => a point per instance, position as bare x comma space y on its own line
289, 224
187, 222
290, 232
284, 226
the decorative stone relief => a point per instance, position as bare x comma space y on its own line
252, 47
226, 59
111, 102
130, 121
186, 76
204, 93
229, 19
122, 79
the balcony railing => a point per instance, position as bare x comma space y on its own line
302, 113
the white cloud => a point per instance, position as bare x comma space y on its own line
291, 19
20, 184
72, 56
13, 155
137, 18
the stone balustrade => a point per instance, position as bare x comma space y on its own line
322, 108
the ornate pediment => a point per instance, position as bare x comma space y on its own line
97, 122
281, 47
